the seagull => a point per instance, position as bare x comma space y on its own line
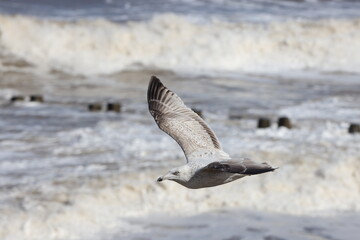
207, 164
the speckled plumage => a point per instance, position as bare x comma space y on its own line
207, 164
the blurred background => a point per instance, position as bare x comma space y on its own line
79, 152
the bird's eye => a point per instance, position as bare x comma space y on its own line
176, 173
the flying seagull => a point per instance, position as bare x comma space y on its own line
207, 164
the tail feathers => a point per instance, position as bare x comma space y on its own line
253, 168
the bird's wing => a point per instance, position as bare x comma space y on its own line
188, 129
245, 166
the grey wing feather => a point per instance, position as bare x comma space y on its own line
188, 129
246, 167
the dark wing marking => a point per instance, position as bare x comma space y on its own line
246, 166
172, 116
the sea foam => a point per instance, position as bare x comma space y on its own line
79, 208
174, 42
317, 175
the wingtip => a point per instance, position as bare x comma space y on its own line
153, 83
273, 169
154, 79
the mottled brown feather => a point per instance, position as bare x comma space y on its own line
188, 129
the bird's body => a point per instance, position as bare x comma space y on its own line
207, 164
203, 179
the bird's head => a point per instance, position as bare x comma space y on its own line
179, 174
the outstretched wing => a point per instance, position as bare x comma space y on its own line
185, 126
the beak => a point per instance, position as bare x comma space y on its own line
165, 177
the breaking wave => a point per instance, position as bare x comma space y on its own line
174, 42
312, 180
78, 209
